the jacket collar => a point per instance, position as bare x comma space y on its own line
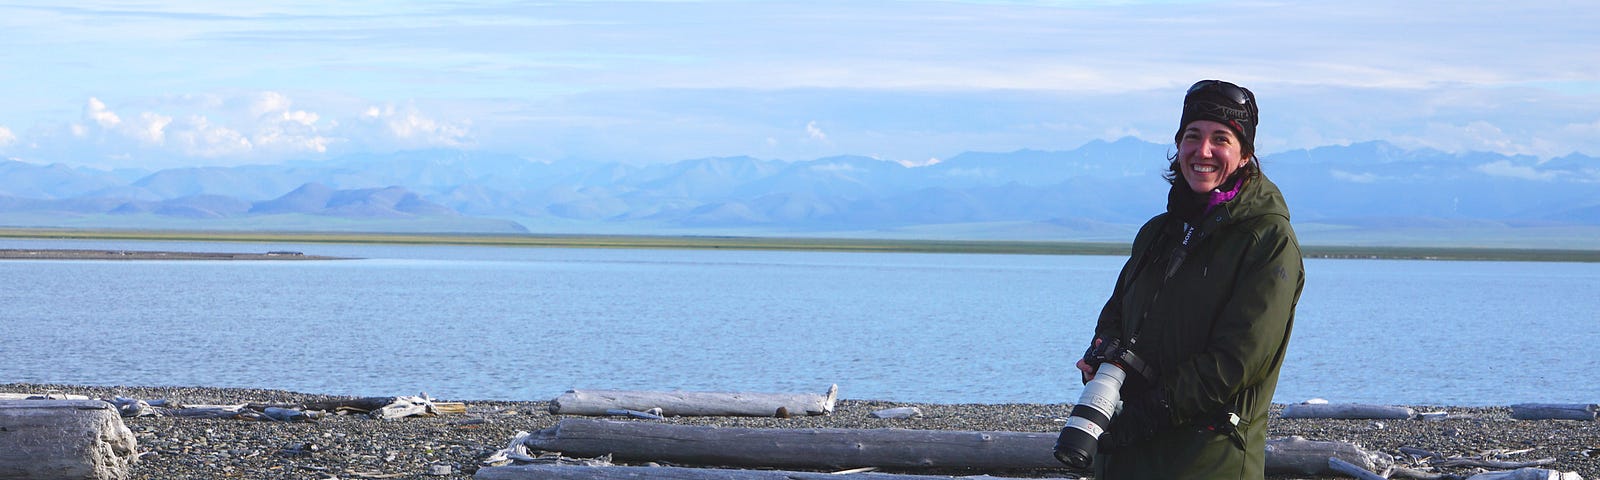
1258, 197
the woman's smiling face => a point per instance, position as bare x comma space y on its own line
1208, 153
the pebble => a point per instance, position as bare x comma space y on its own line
355, 446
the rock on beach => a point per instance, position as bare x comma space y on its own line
454, 446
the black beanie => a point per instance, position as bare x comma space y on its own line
1224, 103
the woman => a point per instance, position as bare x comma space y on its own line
1207, 301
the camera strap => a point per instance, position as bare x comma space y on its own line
1131, 361
1181, 252
1191, 236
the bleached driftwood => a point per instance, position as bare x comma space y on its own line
376, 407
897, 413
41, 396
131, 407
403, 407
206, 411
1431, 459
1398, 471
1296, 455
1479, 462
674, 404
138, 408
1527, 474
386, 408
516, 451
1346, 411
287, 415
888, 448
1347, 468
350, 405
813, 448
1554, 411
653, 414
578, 472
64, 439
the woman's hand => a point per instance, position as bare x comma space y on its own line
1083, 363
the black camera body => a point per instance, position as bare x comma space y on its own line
1098, 403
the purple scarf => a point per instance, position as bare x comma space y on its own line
1219, 196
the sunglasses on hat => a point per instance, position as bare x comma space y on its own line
1228, 90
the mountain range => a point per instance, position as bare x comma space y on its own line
1370, 192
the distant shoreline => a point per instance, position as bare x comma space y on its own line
62, 254
776, 243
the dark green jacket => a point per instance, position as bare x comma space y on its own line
1215, 332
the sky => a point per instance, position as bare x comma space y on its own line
154, 84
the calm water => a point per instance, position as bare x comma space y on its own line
530, 323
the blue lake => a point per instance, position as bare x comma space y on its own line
476, 323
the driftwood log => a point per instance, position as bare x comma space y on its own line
675, 404
205, 411
579, 472
64, 439
833, 448
1554, 411
1346, 411
41, 396
383, 408
1296, 455
1527, 474
1456, 462
388, 408
1347, 468
897, 413
814, 448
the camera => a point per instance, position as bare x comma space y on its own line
1098, 402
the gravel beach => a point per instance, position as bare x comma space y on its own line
454, 446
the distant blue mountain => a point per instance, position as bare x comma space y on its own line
52, 181
1099, 188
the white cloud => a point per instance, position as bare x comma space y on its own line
185, 130
301, 117
1574, 137
277, 137
1353, 177
1118, 133
196, 136
97, 112
1476, 135
281, 128
411, 128
147, 128
269, 103
1504, 168
931, 161
6, 137
273, 107
814, 132
835, 167
152, 129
